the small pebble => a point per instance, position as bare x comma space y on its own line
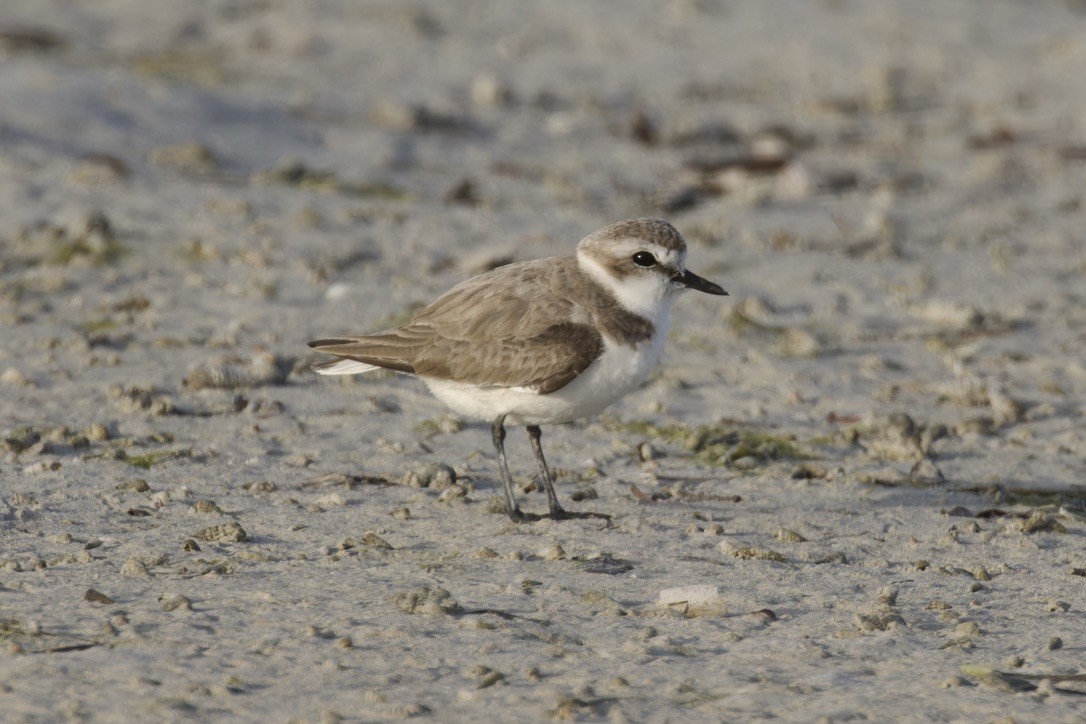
207, 506
97, 432
373, 540
136, 485
888, 595
881, 620
134, 568
94, 596
435, 475
428, 600
452, 493
965, 630
175, 603
693, 598
14, 377
490, 679
554, 552
224, 533
646, 453
332, 500
190, 157
952, 682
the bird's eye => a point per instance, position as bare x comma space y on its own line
644, 258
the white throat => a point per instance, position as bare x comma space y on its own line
650, 296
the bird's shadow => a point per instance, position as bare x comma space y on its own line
522, 517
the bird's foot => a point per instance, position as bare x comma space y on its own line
518, 516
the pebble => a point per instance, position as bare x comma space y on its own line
207, 506
134, 568
1039, 521
42, 466
699, 598
751, 552
646, 453
1014, 662
879, 620
229, 373
332, 500
191, 157
94, 596
438, 476
371, 539
433, 601
14, 377
452, 493
553, 552
601, 603
224, 533
952, 682
948, 314
175, 603
966, 630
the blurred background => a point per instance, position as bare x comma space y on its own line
892, 191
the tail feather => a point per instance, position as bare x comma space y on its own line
331, 342
364, 354
343, 366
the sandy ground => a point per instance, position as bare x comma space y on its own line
854, 490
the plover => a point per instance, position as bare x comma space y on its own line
540, 342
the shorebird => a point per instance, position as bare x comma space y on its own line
540, 342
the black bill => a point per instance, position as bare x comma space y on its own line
690, 280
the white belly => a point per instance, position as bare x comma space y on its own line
619, 370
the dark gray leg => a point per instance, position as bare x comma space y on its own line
534, 434
497, 429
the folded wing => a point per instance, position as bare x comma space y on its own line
512, 327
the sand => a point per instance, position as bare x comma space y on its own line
854, 490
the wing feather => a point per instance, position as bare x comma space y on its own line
512, 327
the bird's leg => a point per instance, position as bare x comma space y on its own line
535, 434
497, 429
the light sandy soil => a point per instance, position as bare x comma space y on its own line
854, 491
